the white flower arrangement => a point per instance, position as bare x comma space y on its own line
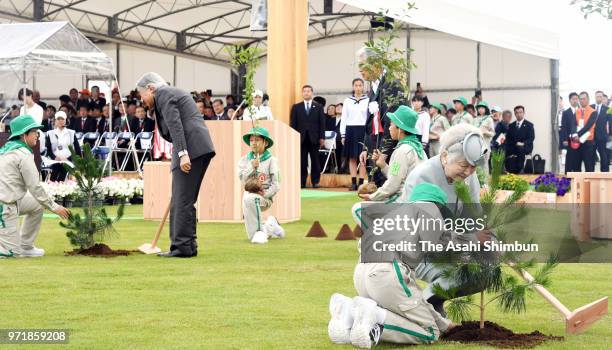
60, 190
109, 187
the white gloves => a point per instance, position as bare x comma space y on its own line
373, 107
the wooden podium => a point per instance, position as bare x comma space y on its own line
220, 198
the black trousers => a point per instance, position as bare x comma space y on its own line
185, 190
604, 160
307, 148
584, 154
515, 164
58, 172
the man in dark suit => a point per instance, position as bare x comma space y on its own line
385, 96
141, 123
501, 131
568, 128
308, 118
519, 141
602, 131
179, 122
219, 110
77, 123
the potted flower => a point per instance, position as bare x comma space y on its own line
549, 183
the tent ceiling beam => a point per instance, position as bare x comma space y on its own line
204, 41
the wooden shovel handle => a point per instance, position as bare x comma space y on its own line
161, 225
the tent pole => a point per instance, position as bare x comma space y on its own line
408, 37
25, 87
554, 122
478, 65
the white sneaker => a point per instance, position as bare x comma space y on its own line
365, 322
31, 253
337, 328
259, 237
276, 231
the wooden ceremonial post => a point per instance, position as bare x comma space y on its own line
287, 54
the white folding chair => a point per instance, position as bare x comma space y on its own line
329, 150
92, 138
127, 138
143, 147
79, 137
105, 146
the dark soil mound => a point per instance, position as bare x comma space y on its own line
99, 249
495, 335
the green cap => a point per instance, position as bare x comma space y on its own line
485, 105
405, 118
259, 131
428, 192
462, 100
437, 106
482, 104
22, 125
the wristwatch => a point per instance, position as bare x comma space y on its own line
183, 153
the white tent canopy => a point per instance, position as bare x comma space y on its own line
479, 23
50, 47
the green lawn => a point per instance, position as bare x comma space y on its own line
234, 295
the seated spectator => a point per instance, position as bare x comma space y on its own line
91, 120
230, 112
59, 140
131, 109
74, 97
103, 122
219, 111
30, 107
141, 123
84, 99
77, 122
519, 141
64, 100
96, 99
208, 112
47, 122
258, 111
230, 102
331, 122
115, 102
200, 105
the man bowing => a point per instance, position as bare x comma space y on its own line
180, 123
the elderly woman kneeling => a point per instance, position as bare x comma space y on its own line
462, 149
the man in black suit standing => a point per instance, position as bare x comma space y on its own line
519, 141
602, 130
308, 118
568, 128
179, 122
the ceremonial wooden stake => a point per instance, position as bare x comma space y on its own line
577, 320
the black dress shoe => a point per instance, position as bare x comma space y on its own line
176, 254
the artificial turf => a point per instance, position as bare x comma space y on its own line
234, 295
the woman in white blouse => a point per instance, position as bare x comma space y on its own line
352, 130
258, 111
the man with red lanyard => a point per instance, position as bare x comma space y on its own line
583, 139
